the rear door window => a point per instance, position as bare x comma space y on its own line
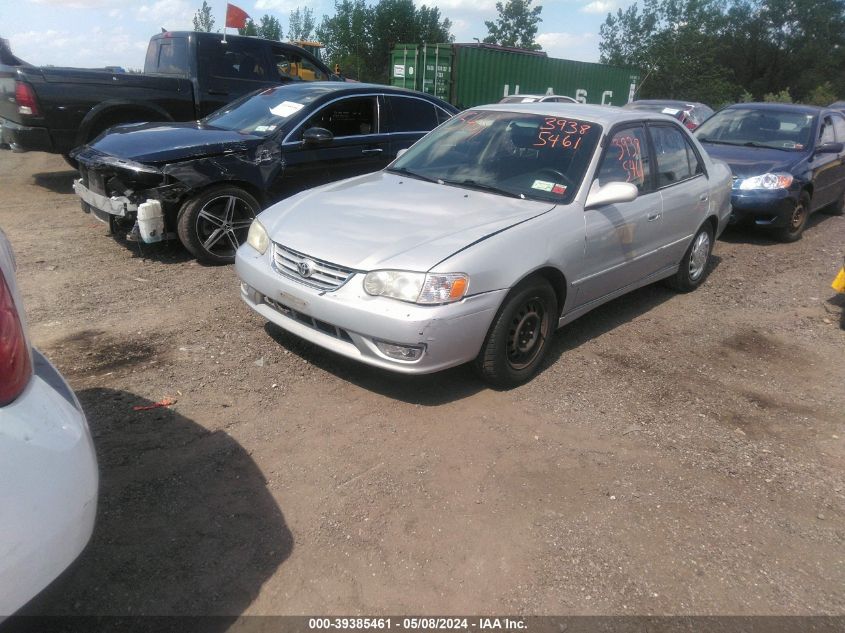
167, 56
292, 66
236, 59
410, 114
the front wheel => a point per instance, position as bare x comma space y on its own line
519, 336
693, 267
215, 222
794, 229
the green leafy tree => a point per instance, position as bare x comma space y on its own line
301, 24
778, 97
516, 25
249, 28
203, 20
269, 28
822, 95
346, 36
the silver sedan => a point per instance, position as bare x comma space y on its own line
498, 227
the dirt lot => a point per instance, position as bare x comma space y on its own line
679, 454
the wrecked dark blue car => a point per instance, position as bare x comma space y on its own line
788, 161
203, 182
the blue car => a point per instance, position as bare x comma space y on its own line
788, 161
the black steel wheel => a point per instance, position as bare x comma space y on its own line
519, 336
797, 220
215, 222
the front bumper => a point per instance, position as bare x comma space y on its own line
349, 322
763, 208
48, 484
120, 206
21, 138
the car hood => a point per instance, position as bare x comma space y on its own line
753, 161
385, 220
168, 142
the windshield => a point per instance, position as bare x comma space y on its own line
514, 154
752, 127
262, 113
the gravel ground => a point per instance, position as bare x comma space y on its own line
679, 454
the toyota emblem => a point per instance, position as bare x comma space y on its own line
305, 268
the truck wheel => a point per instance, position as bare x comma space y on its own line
519, 337
797, 221
215, 222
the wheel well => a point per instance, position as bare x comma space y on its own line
251, 189
714, 223
809, 189
556, 279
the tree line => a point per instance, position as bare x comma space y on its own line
725, 51
359, 36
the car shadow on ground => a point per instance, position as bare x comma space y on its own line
56, 181
461, 382
185, 523
750, 234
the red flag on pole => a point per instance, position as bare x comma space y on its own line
235, 17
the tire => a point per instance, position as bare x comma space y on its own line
519, 337
793, 231
693, 267
215, 222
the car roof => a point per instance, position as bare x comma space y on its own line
777, 107
603, 115
296, 89
659, 102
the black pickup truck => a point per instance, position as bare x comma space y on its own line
187, 75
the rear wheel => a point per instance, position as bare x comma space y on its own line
215, 222
519, 337
797, 221
693, 266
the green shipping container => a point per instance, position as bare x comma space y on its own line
472, 74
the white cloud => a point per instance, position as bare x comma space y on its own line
469, 6
281, 6
577, 46
599, 6
174, 15
78, 4
93, 48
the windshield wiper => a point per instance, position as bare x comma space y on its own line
755, 144
407, 172
472, 184
704, 139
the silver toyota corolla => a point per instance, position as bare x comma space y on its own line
498, 227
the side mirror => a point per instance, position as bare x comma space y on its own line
830, 148
317, 136
611, 193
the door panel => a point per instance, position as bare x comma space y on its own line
827, 168
358, 147
622, 240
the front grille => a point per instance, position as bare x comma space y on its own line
324, 275
316, 324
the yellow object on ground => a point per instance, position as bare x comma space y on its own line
839, 283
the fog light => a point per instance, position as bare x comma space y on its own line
400, 352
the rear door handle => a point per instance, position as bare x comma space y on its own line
654, 216
375, 150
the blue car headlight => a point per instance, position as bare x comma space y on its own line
766, 181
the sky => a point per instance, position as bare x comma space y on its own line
97, 33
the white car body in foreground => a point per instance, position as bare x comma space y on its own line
48, 468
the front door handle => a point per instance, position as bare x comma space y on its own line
703, 197
654, 216
375, 150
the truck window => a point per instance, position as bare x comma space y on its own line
167, 56
236, 59
293, 67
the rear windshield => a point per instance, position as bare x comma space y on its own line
167, 56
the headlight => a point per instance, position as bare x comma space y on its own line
432, 288
766, 181
257, 237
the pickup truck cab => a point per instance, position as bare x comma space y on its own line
187, 75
